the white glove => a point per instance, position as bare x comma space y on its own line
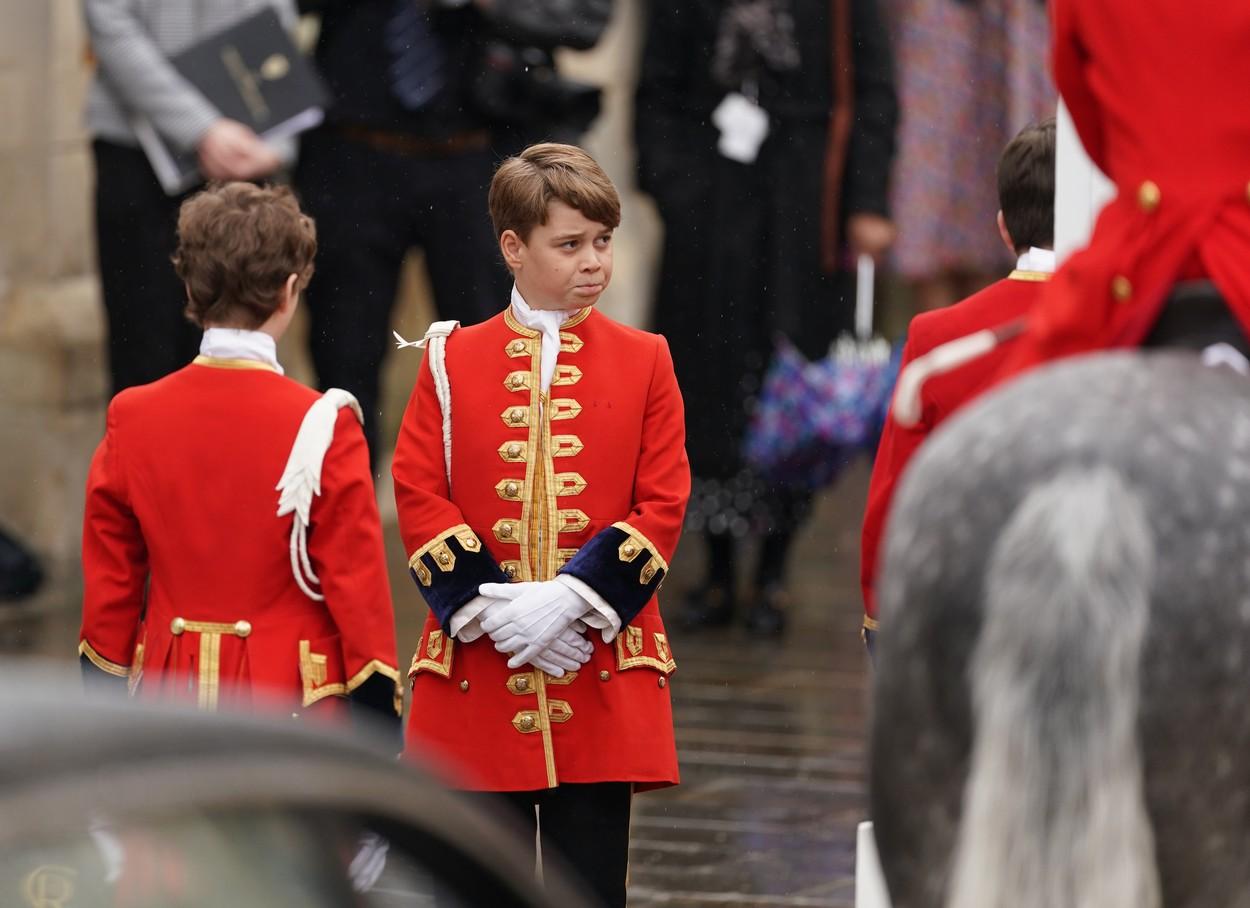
533, 624
370, 860
465, 624
554, 661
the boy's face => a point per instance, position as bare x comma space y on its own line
565, 264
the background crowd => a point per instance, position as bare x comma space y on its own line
884, 122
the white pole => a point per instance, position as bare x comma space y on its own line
1081, 189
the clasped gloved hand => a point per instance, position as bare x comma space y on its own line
539, 624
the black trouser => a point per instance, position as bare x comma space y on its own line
148, 335
586, 825
371, 206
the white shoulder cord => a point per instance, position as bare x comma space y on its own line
301, 479
435, 341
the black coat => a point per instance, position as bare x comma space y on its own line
742, 242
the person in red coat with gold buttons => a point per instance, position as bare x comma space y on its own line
202, 581
541, 480
1156, 94
1026, 193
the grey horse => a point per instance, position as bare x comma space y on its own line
1062, 687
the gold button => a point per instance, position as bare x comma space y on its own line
522, 683
527, 722
604, 675
469, 545
1149, 196
443, 558
663, 682
510, 489
510, 571
177, 627
517, 381
518, 346
464, 685
506, 531
514, 450
630, 550
242, 628
1121, 288
516, 415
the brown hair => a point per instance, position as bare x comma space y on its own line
525, 185
1026, 186
237, 244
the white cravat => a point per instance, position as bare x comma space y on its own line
1035, 259
547, 322
236, 343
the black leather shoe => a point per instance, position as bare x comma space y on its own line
707, 606
767, 616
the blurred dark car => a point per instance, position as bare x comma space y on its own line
109, 803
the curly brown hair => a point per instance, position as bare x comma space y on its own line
237, 245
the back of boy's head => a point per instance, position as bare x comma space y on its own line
237, 245
1026, 186
525, 185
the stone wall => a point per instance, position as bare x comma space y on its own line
52, 384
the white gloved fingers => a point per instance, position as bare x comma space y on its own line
568, 650
575, 633
572, 638
546, 660
505, 590
543, 665
510, 644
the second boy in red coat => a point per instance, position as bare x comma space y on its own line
1026, 190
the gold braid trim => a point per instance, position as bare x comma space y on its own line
104, 665
217, 362
655, 552
378, 667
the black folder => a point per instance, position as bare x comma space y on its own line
251, 72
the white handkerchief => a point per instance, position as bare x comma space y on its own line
743, 126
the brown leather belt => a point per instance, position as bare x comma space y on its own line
417, 146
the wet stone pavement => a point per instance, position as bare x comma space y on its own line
771, 741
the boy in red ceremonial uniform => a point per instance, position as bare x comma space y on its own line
202, 579
1026, 192
541, 480
1156, 95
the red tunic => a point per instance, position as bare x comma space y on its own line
941, 396
188, 587
1156, 91
594, 484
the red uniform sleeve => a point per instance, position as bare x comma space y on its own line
114, 561
446, 558
1069, 58
626, 562
347, 553
897, 446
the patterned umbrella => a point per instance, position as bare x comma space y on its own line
812, 418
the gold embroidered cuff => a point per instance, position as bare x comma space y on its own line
636, 543
104, 665
441, 552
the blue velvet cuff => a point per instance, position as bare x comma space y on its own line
622, 566
449, 569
